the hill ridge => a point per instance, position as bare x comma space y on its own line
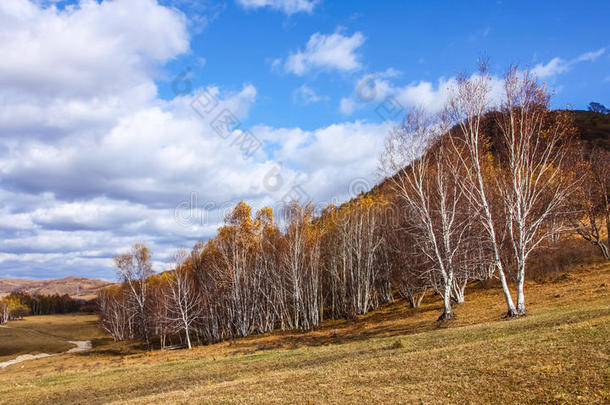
74, 286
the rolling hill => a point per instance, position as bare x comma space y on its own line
76, 287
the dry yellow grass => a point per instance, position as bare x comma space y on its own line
46, 334
559, 353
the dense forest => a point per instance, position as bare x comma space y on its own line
485, 191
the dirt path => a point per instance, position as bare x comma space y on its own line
25, 357
81, 346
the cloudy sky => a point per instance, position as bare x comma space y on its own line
126, 121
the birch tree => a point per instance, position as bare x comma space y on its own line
113, 312
466, 107
3, 311
417, 160
300, 261
272, 291
535, 182
182, 297
593, 201
133, 269
527, 169
362, 238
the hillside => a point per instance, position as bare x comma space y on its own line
76, 287
592, 128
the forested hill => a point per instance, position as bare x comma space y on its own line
593, 129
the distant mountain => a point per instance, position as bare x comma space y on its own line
76, 287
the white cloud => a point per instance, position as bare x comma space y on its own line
306, 95
128, 186
286, 6
91, 160
327, 160
591, 56
326, 52
347, 106
73, 81
554, 67
557, 66
146, 156
373, 89
76, 70
87, 51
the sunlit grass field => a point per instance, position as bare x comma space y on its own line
559, 353
46, 334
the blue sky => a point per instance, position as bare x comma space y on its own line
424, 41
99, 151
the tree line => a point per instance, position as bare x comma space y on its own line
471, 192
19, 304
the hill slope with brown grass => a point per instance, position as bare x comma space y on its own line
76, 287
558, 353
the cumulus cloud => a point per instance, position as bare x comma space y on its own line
380, 93
327, 160
94, 49
288, 7
92, 160
76, 70
73, 82
326, 52
373, 89
145, 157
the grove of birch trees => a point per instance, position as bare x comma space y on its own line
470, 193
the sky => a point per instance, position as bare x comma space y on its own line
126, 121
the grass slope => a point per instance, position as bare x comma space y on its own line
46, 334
557, 354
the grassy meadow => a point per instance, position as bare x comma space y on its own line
46, 334
559, 353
